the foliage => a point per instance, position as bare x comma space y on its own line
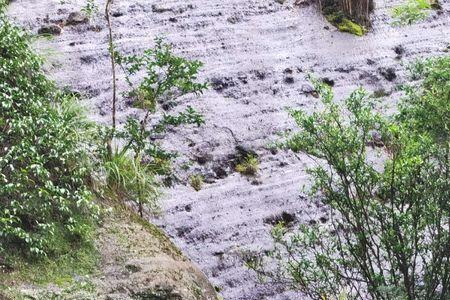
411, 12
156, 78
43, 160
388, 236
248, 166
196, 182
90, 9
129, 178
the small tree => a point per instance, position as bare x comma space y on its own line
156, 78
389, 230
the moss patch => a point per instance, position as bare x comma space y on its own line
344, 24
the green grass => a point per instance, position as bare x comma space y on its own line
68, 271
196, 181
249, 166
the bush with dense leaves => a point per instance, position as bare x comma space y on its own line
44, 165
386, 182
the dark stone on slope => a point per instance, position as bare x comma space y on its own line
388, 73
51, 29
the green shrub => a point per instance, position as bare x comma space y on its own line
388, 233
43, 160
196, 182
167, 77
411, 12
248, 166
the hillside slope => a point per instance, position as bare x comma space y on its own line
257, 54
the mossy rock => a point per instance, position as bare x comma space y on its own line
351, 27
344, 24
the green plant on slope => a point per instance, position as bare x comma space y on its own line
411, 12
248, 166
129, 178
196, 181
44, 166
90, 9
389, 230
166, 78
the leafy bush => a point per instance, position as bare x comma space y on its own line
44, 165
411, 12
388, 235
156, 78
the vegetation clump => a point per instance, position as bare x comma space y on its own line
248, 166
132, 169
388, 232
196, 181
45, 202
411, 12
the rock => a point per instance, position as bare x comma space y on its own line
203, 159
159, 9
183, 230
286, 218
51, 29
323, 219
76, 18
376, 140
369, 77
132, 268
261, 75
289, 79
88, 59
159, 293
220, 84
328, 81
173, 20
243, 78
220, 172
345, 69
303, 3
234, 19
280, 1
118, 14
388, 73
307, 88
399, 50
370, 61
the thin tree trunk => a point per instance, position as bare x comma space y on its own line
113, 69
358, 10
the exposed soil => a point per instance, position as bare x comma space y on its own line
137, 262
257, 54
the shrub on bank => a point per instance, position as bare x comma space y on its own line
388, 234
44, 163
